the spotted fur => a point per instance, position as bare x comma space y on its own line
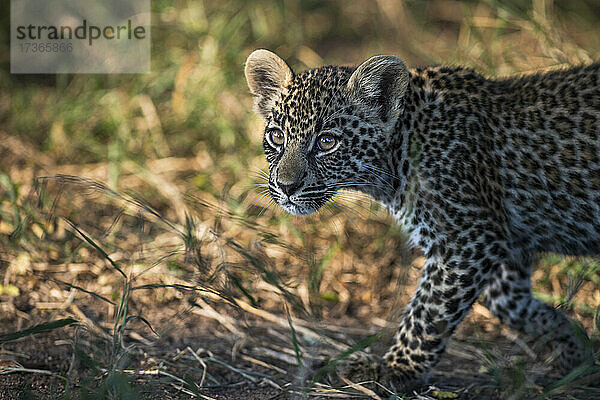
483, 173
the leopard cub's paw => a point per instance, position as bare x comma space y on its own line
372, 372
358, 367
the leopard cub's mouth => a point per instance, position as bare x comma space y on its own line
300, 205
295, 208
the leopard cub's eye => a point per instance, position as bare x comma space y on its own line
276, 137
326, 142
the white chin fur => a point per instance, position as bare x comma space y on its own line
296, 210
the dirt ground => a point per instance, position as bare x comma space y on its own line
242, 368
52, 352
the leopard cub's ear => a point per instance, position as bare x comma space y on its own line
267, 76
380, 85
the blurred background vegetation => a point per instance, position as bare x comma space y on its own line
196, 99
186, 130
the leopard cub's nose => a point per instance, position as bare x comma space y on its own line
290, 189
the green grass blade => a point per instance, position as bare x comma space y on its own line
294, 337
188, 288
97, 247
121, 317
267, 275
357, 347
237, 283
96, 295
192, 386
144, 320
579, 372
316, 275
45, 327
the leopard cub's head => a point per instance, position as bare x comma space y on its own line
326, 129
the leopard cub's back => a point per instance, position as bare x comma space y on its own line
532, 143
549, 145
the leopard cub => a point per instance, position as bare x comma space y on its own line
483, 173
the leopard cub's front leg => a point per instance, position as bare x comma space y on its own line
447, 289
446, 292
